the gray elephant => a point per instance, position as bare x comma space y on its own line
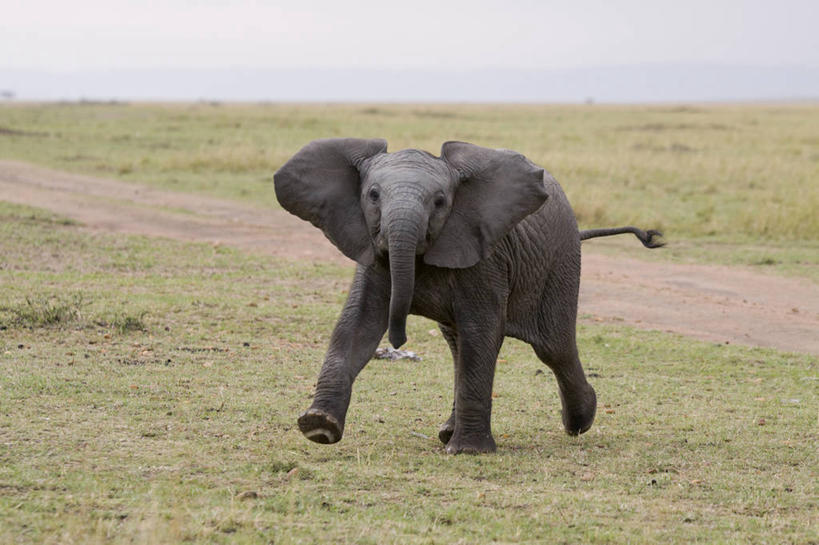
482, 241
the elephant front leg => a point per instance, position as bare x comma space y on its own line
356, 336
478, 345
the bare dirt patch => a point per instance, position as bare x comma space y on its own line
716, 303
709, 302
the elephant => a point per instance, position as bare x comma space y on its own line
480, 240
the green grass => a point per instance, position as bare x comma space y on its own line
44, 311
183, 429
787, 258
698, 172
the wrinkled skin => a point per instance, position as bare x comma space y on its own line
482, 241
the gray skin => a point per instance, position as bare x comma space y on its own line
482, 241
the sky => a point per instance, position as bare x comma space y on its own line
83, 42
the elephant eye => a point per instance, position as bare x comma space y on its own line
374, 194
439, 201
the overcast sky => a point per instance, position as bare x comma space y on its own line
82, 35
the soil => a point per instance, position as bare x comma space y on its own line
709, 302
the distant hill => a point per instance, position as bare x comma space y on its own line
649, 83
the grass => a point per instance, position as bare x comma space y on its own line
44, 311
720, 172
788, 258
183, 429
732, 184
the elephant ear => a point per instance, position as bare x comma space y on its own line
498, 188
321, 184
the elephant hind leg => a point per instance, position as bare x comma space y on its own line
448, 427
576, 395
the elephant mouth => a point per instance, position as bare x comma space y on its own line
382, 255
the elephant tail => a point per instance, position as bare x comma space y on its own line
650, 238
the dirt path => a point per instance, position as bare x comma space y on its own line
715, 303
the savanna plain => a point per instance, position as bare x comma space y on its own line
149, 388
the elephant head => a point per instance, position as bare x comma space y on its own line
408, 205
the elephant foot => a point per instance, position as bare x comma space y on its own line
471, 444
447, 429
578, 414
320, 427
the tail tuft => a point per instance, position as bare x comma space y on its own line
651, 239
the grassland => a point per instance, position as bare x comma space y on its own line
158, 406
149, 388
733, 184
739, 173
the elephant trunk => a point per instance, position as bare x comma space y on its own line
402, 237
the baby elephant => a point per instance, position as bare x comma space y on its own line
480, 240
